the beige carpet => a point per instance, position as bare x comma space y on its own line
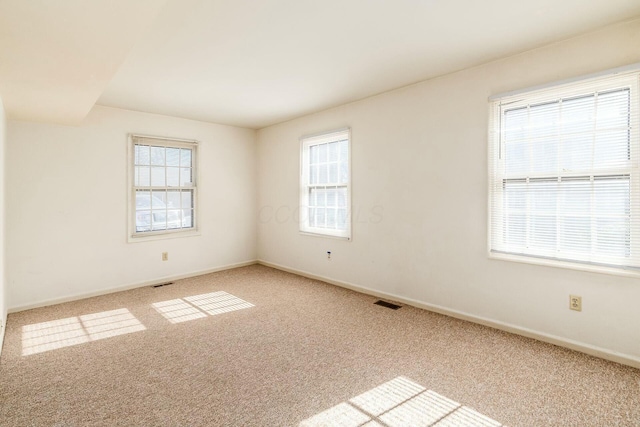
258, 347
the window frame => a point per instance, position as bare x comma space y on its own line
306, 142
138, 236
600, 82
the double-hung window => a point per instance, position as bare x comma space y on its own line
564, 179
163, 186
325, 184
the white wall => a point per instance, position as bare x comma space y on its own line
3, 283
67, 199
419, 173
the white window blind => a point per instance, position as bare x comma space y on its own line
163, 186
564, 180
325, 184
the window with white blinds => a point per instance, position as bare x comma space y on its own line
325, 184
564, 180
163, 186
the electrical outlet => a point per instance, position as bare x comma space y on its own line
575, 302
165, 256
328, 255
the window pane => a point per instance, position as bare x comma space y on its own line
159, 200
141, 154
613, 237
323, 174
576, 234
187, 218
613, 110
322, 150
185, 157
344, 171
331, 197
158, 220
143, 200
313, 174
517, 158
173, 156
321, 217
185, 177
157, 176
544, 120
173, 177
342, 197
515, 202
515, 124
544, 156
331, 218
174, 219
576, 152
173, 199
157, 155
312, 217
578, 115
612, 197
341, 223
333, 151
187, 199
611, 148
333, 173
542, 223
142, 176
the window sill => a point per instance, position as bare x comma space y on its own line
163, 236
601, 269
329, 236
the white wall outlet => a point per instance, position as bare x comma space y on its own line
328, 255
165, 256
575, 302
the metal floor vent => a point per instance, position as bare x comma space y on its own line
388, 305
162, 284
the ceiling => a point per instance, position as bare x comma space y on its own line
255, 63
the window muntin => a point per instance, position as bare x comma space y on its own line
325, 184
564, 178
163, 197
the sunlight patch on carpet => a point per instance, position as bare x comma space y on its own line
198, 306
399, 403
52, 335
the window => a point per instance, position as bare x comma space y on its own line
325, 185
564, 179
163, 186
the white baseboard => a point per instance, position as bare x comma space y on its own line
128, 287
602, 353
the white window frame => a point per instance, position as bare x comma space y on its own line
625, 76
306, 142
137, 236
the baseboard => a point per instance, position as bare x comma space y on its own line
128, 287
591, 350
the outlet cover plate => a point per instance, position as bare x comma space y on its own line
575, 302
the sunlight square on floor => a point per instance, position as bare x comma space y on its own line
399, 403
55, 334
199, 306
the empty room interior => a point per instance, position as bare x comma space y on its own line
320, 213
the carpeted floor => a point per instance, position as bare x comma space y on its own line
259, 347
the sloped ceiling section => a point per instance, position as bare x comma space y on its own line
57, 57
253, 63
